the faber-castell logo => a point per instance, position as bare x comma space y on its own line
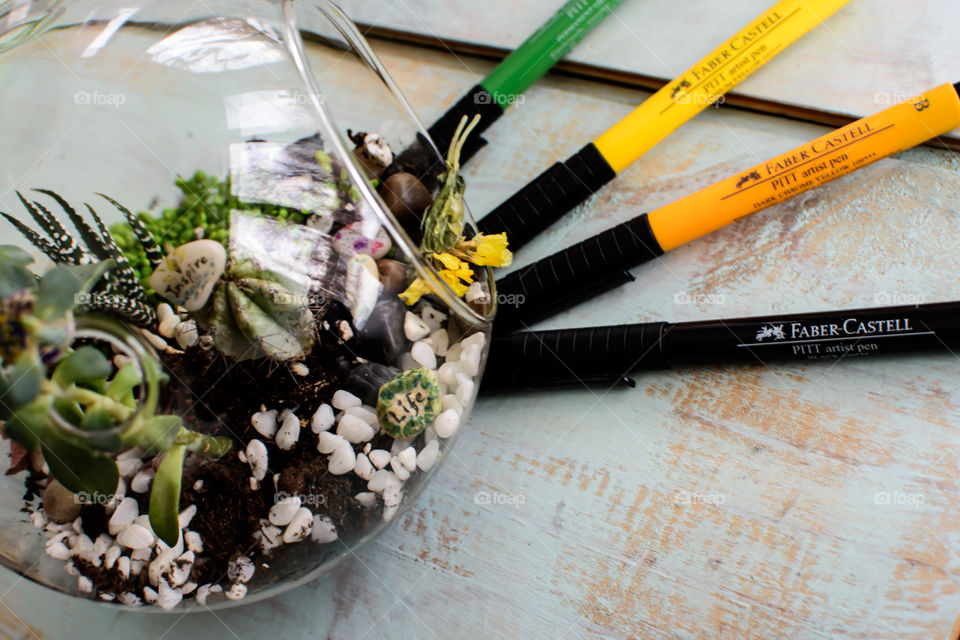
747, 177
771, 331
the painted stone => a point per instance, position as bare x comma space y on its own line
408, 403
188, 274
362, 288
351, 239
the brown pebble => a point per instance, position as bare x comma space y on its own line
59, 503
407, 199
370, 166
393, 274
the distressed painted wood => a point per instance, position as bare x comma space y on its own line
804, 501
869, 54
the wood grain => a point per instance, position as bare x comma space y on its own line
870, 54
808, 501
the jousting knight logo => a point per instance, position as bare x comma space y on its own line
771, 331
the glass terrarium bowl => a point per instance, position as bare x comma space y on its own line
281, 173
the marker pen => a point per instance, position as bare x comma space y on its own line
573, 274
518, 71
566, 184
606, 355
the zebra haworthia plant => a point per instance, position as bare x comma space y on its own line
71, 402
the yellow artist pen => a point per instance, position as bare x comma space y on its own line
598, 263
566, 184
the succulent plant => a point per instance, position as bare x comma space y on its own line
69, 402
257, 313
119, 291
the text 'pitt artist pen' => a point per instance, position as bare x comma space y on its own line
566, 184
606, 355
594, 265
518, 71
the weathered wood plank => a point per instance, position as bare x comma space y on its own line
723, 502
861, 59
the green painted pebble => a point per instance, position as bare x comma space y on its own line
408, 403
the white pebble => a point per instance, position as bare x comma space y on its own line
71, 569
164, 311
282, 513
342, 460
237, 591
390, 512
328, 442
300, 527
408, 458
167, 327
265, 423
130, 599
366, 499
289, 431
449, 401
141, 481
193, 541
345, 331
186, 516
77, 525
59, 551
344, 400
399, 445
470, 357
363, 468
423, 354
136, 567
380, 458
367, 414
149, 595
300, 369
324, 530
399, 469
135, 537
407, 362
128, 466
270, 537
202, 594
322, 419
111, 556
180, 569
433, 318
241, 570
198, 485
257, 459
447, 374
254, 484
465, 391
186, 334
382, 480
446, 423
142, 554
84, 584
39, 520
428, 455
453, 353
123, 516
123, 566
167, 597
440, 341
414, 327
354, 429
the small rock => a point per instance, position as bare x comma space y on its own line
270, 537
433, 318
135, 537
164, 311
414, 328
362, 289
447, 374
123, 566
422, 353
142, 554
300, 369
408, 458
342, 460
470, 357
186, 334
363, 468
129, 599
299, 527
141, 481
59, 503
393, 275
257, 459
123, 516
179, 571
84, 584
129, 466
398, 468
382, 480
188, 274
265, 423
364, 238
167, 327
149, 595
328, 442
446, 423
450, 401
39, 520
346, 332
322, 419
367, 414
344, 400
193, 541
324, 531
408, 403
367, 499
283, 511
241, 570
167, 597
111, 556
289, 431
440, 341
202, 593
59, 551
354, 429
380, 458
237, 591
186, 516
383, 332
428, 455
465, 389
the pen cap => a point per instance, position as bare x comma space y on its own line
574, 274
476, 101
549, 196
573, 356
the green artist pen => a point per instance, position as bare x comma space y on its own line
518, 71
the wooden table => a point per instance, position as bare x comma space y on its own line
800, 501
